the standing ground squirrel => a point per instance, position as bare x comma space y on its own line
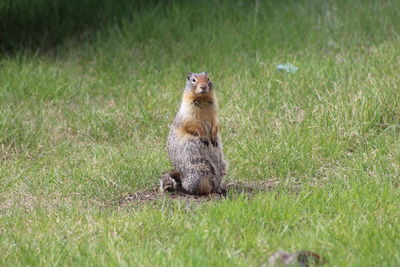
194, 145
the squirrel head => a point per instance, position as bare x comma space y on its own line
198, 83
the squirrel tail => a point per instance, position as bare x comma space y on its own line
171, 181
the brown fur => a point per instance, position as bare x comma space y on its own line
201, 108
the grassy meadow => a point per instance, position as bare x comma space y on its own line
88, 90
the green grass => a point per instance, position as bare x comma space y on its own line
87, 94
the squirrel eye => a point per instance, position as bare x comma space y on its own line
194, 80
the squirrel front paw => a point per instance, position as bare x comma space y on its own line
205, 141
214, 142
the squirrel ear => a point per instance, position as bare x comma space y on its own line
188, 75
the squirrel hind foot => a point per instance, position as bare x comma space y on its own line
170, 182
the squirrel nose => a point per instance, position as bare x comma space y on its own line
203, 87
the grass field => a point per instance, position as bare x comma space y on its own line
87, 92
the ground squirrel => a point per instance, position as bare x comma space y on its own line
194, 145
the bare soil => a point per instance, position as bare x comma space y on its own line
228, 190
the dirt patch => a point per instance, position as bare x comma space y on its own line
228, 190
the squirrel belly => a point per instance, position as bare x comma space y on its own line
197, 163
194, 145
